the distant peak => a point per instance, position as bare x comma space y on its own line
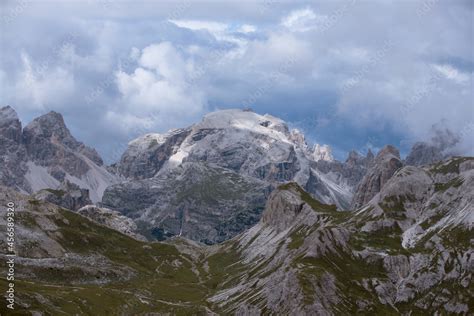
49, 125
51, 120
298, 138
388, 150
7, 114
53, 116
370, 154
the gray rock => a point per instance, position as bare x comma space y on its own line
68, 195
12, 152
112, 219
385, 165
199, 201
423, 154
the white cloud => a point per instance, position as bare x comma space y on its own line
160, 85
247, 28
39, 85
198, 25
165, 59
452, 73
303, 20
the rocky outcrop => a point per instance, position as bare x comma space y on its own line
45, 154
112, 219
67, 195
385, 165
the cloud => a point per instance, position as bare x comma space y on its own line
452, 73
303, 20
247, 28
40, 86
159, 85
196, 25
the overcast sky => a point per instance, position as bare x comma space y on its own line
350, 73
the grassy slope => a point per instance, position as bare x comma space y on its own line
162, 277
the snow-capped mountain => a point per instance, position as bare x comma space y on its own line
259, 146
44, 155
255, 153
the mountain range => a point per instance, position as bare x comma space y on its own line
236, 214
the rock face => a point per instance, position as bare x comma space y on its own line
12, 151
67, 195
424, 154
147, 154
44, 154
198, 201
385, 165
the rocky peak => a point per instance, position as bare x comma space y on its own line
386, 163
323, 152
388, 152
68, 195
298, 138
370, 155
51, 127
10, 125
46, 135
7, 115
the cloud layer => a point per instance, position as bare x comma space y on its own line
349, 73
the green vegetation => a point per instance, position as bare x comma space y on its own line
455, 183
153, 143
308, 199
432, 220
349, 271
214, 187
452, 166
136, 277
34, 202
297, 239
394, 206
59, 193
